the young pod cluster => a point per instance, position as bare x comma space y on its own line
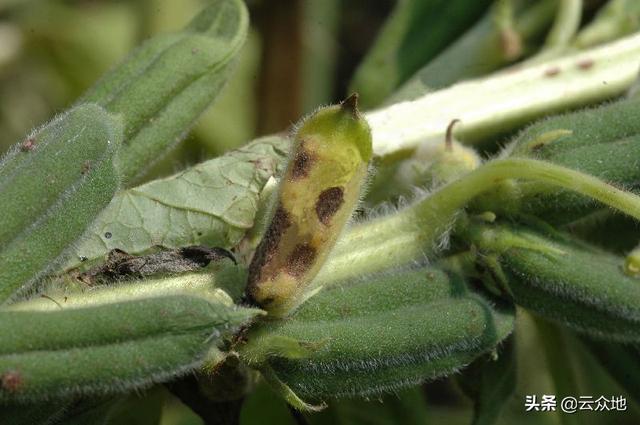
601, 142
564, 280
378, 335
109, 347
316, 197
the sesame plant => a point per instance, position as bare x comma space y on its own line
471, 200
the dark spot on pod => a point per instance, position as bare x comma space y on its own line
328, 203
11, 381
28, 145
107, 235
269, 244
300, 260
302, 163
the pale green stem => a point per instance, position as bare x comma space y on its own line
507, 99
414, 231
197, 284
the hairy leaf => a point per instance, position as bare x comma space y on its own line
213, 203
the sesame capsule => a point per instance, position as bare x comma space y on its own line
316, 197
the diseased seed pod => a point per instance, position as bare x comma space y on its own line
564, 280
317, 195
378, 335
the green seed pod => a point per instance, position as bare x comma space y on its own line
564, 280
378, 335
51, 188
319, 190
107, 348
601, 142
162, 88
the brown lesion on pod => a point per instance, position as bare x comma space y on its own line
328, 203
300, 260
302, 162
269, 244
28, 145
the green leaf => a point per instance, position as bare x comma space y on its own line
490, 382
52, 186
212, 203
622, 361
164, 86
415, 32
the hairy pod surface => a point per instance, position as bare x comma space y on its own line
378, 335
52, 186
566, 281
107, 348
603, 142
169, 81
316, 197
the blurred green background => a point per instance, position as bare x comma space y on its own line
298, 55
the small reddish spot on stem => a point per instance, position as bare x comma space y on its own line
585, 64
552, 72
11, 381
28, 145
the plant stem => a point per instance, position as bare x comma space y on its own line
414, 231
505, 100
566, 23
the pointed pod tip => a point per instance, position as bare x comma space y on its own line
350, 104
